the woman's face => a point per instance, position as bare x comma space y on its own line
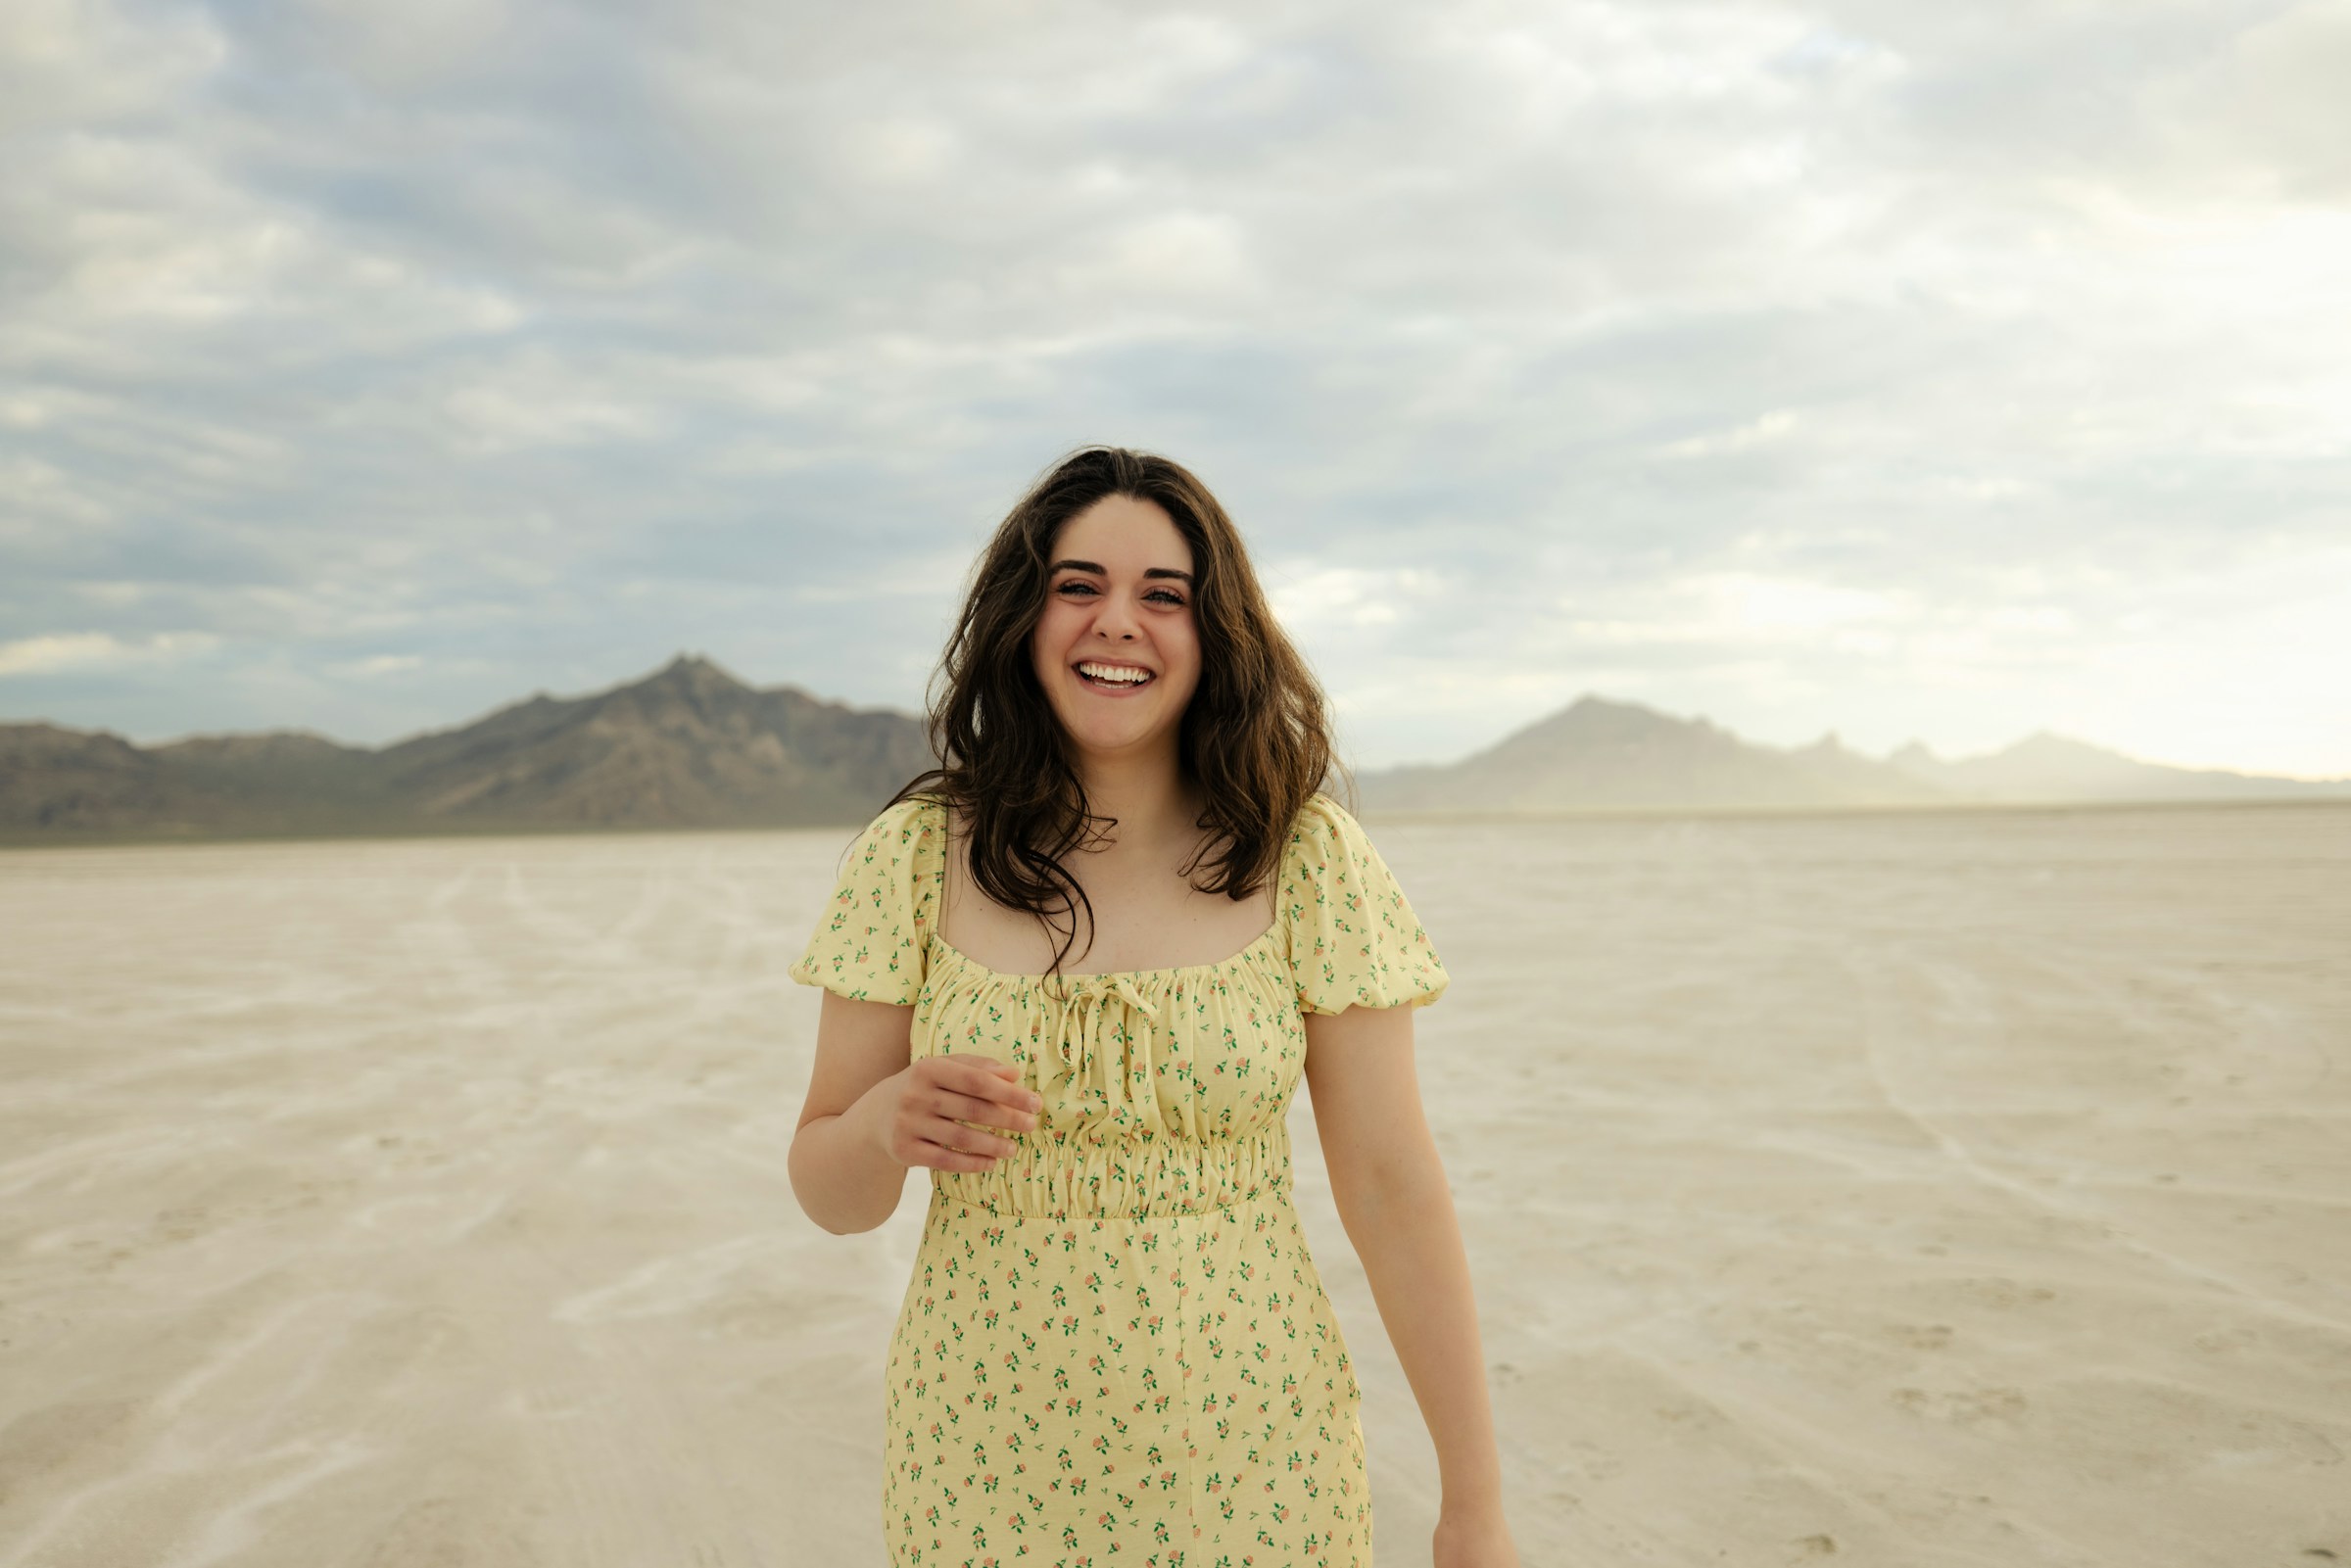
1119, 599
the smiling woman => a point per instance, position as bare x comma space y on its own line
1115, 649
1116, 1345
1199, 725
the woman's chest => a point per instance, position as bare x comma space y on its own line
1123, 935
1133, 918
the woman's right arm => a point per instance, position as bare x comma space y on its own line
872, 1115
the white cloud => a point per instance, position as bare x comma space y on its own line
1309, 597
71, 650
1182, 252
1762, 431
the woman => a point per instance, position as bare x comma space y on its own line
1116, 1348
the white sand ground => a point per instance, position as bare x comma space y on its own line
1904, 1190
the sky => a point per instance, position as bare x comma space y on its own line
1901, 371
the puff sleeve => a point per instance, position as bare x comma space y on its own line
871, 943
1354, 939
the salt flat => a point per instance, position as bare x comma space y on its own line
1967, 1188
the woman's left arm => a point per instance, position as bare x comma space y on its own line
1392, 1196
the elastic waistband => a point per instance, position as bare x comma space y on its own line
1139, 1179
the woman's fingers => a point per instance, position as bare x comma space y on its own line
923, 1136
959, 1147
959, 1090
988, 1112
971, 1087
975, 1140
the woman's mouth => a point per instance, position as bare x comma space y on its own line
1103, 677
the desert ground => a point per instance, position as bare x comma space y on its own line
1905, 1189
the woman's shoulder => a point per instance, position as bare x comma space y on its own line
1323, 826
909, 818
1327, 844
1354, 936
872, 940
904, 823
905, 839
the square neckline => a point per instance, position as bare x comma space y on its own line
932, 934
1255, 942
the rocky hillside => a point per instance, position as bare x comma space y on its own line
688, 747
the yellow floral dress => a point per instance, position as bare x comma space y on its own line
1115, 1349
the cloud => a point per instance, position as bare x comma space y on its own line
39, 655
1741, 355
1759, 431
384, 664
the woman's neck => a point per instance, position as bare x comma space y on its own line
1153, 802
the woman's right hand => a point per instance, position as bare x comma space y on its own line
937, 1095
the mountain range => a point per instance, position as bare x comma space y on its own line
1600, 755
692, 746
689, 745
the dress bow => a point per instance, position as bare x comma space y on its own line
1077, 1042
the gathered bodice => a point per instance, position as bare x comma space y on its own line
1165, 1091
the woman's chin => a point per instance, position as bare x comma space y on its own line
1114, 739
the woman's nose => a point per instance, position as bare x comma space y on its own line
1117, 619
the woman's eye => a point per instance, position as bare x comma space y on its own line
1078, 588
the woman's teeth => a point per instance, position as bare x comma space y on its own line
1112, 674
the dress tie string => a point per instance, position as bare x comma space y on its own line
1080, 1050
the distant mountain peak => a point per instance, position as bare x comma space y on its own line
691, 672
692, 664
2047, 748
1594, 703
1601, 752
1591, 711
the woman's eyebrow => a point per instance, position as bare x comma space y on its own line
1095, 567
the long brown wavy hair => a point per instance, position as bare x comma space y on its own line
1255, 738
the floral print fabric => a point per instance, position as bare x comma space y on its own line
1115, 1347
